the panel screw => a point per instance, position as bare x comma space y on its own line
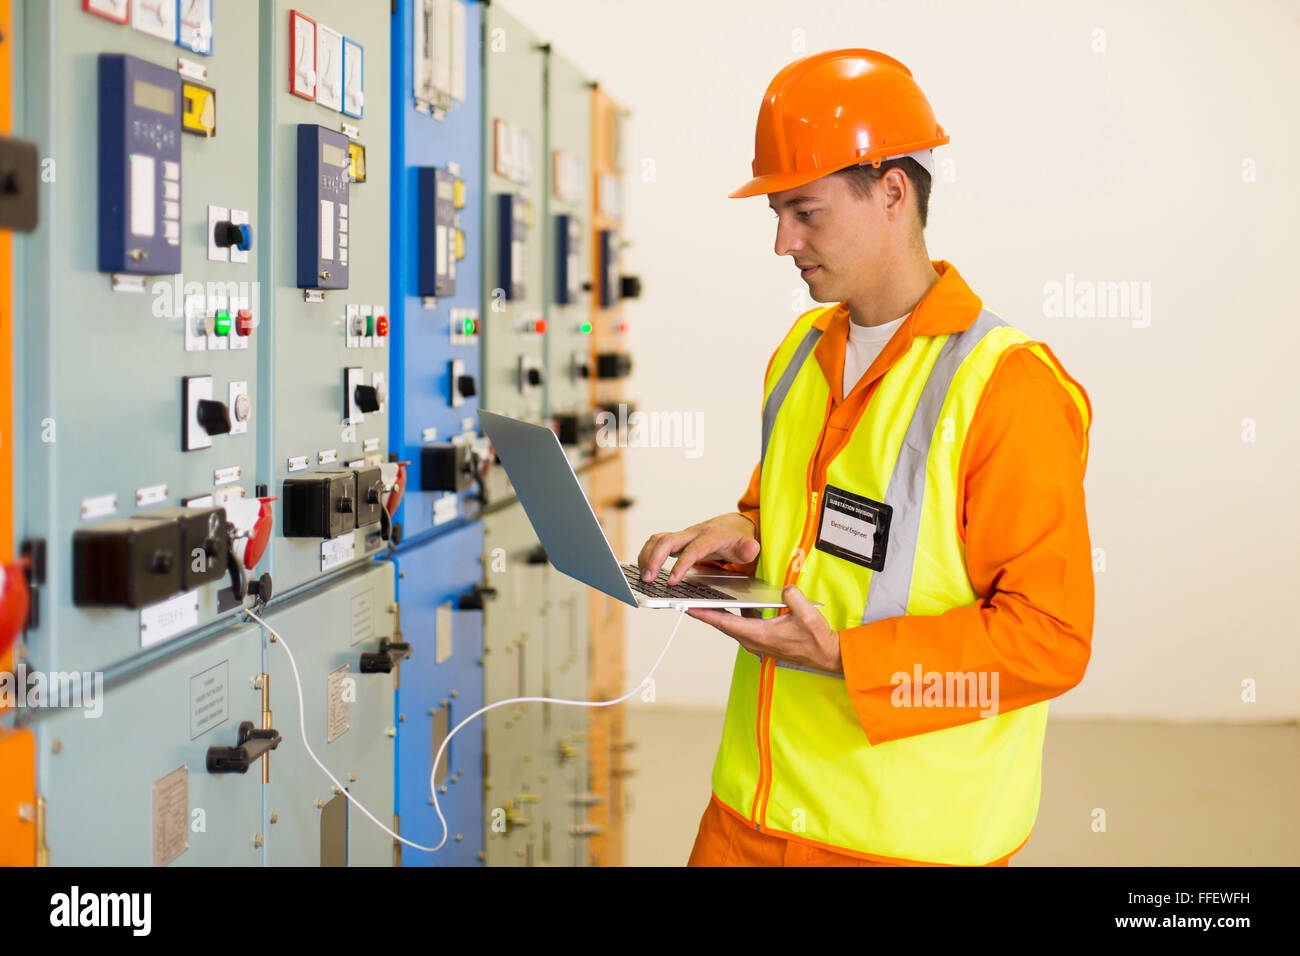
257, 841
275, 818
352, 777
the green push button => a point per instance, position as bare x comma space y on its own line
370, 325
223, 322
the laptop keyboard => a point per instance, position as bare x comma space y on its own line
659, 588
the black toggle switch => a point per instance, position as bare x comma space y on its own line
466, 386
536, 556
613, 365
629, 287
214, 416
367, 398
533, 376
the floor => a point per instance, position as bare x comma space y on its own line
1173, 794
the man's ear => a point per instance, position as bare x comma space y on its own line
894, 188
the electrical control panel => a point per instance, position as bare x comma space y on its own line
345, 638
327, 369
568, 276
437, 271
443, 601
514, 664
517, 319
138, 391
144, 762
280, 252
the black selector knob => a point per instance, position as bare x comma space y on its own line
613, 365
536, 556
226, 234
261, 588
533, 376
629, 287
367, 398
214, 416
345, 506
466, 386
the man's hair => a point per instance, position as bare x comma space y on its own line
862, 180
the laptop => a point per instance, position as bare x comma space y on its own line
576, 545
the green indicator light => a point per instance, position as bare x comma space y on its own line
223, 322
370, 325
585, 328
469, 326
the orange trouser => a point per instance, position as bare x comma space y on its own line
725, 840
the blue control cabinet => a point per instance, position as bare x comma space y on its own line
441, 684
437, 132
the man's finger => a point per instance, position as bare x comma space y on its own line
697, 549
666, 545
796, 600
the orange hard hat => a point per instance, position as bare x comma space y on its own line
836, 109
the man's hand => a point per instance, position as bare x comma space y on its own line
727, 537
802, 636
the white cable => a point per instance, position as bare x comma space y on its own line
302, 730
433, 790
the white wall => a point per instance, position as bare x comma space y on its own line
1128, 163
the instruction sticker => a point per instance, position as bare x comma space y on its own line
338, 690
171, 816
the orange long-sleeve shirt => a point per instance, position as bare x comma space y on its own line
1020, 512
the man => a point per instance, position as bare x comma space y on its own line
921, 476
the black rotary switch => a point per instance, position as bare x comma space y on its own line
213, 416
533, 376
466, 385
367, 398
226, 234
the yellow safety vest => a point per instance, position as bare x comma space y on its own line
794, 760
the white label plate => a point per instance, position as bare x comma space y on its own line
168, 618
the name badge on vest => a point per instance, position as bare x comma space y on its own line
854, 528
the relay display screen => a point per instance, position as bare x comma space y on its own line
156, 98
332, 155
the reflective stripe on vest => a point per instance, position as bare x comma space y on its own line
794, 759
774, 400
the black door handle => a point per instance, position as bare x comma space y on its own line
388, 656
253, 743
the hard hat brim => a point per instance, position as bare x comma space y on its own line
779, 182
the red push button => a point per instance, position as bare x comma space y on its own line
244, 322
381, 325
